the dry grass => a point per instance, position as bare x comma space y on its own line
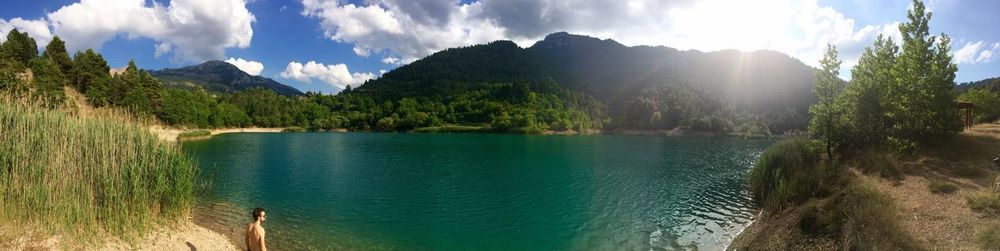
941, 187
989, 238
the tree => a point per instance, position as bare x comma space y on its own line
19, 48
100, 92
827, 86
56, 51
139, 91
10, 83
89, 67
922, 105
864, 98
49, 81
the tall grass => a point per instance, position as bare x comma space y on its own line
88, 177
788, 171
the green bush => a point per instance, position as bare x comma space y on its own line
939, 187
786, 172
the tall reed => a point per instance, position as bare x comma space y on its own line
88, 176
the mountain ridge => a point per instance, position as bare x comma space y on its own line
637, 83
219, 76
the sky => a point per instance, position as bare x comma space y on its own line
325, 45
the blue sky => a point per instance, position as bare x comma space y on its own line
323, 45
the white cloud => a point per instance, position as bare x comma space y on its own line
193, 30
408, 30
392, 60
37, 29
405, 29
984, 56
162, 48
976, 52
335, 74
250, 67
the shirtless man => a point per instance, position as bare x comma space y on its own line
255, 232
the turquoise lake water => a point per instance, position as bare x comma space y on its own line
389, 191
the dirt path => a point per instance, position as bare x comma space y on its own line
945, 221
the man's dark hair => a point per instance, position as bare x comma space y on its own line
256, 213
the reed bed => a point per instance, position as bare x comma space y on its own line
88, 176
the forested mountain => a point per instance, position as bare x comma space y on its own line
622, 87
218, 76
991, 84
562, 83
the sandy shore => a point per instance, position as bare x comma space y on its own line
169, 134
187, 236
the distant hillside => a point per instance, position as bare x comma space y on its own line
992, 84
639, 87
218, 76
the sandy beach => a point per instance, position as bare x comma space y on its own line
187, 236
169, 134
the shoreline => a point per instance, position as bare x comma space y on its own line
170, 134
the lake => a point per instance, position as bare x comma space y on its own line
379, 191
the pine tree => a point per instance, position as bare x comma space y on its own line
19, 48
88, 68
56, 51
827, 86
48, 81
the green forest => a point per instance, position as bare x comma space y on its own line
502, 107
564, 82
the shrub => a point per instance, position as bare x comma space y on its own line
817, 220
878, 162
987, 203
940, 187
786, 172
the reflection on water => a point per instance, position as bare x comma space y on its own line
472, 192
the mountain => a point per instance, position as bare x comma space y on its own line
992, 84
638, 87
218, 76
